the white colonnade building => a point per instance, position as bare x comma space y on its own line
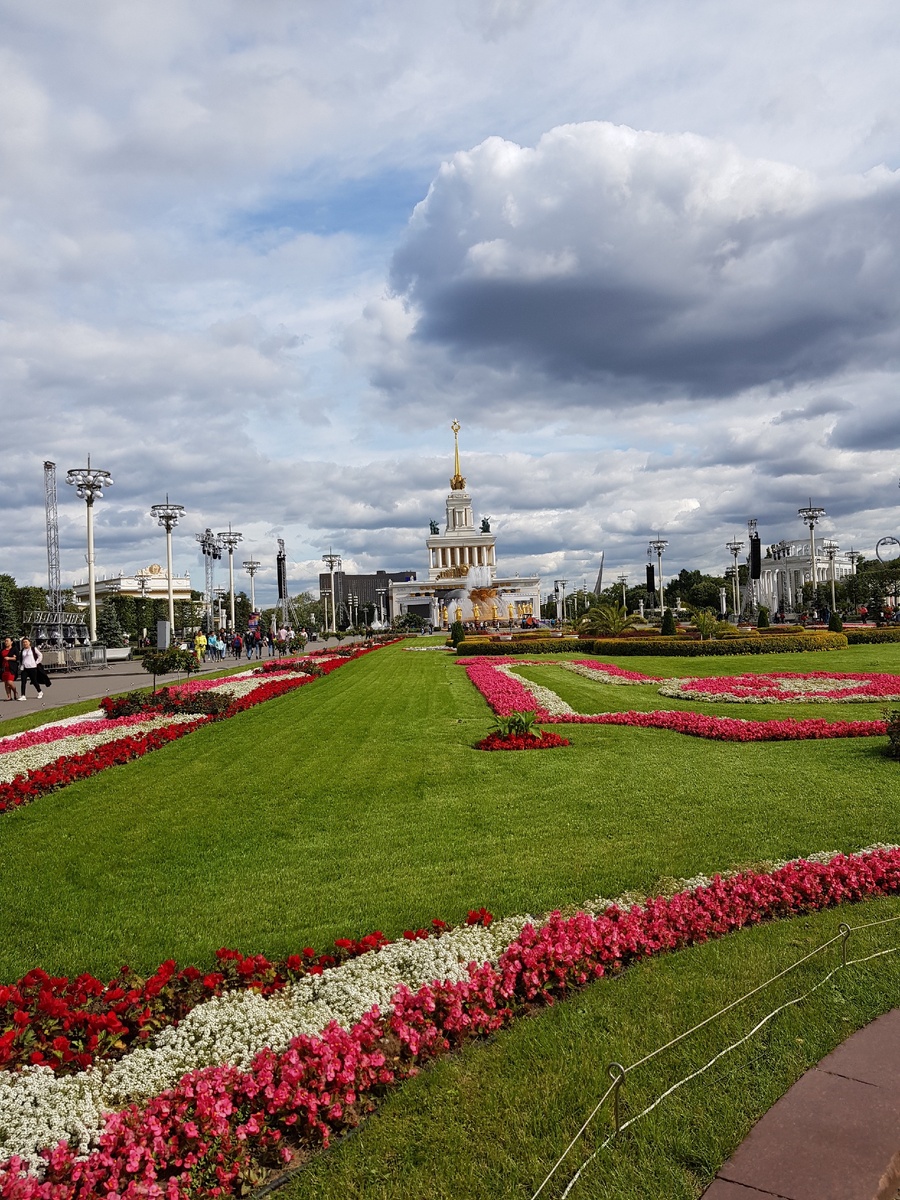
787, 566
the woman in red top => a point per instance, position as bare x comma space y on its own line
9, 664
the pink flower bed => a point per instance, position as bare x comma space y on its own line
506, 695
221, 1127
782, 687
733, 729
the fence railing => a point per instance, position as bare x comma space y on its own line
618, 1074
74, 658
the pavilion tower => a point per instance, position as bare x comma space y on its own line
461, 552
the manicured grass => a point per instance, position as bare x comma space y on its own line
358, 802
491, 1121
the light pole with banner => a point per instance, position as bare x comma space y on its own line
658, 546
735, 547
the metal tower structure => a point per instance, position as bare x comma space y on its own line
211, 549
285, 607
54, 589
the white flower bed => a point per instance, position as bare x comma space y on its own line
31, 758
598, 675
38, 1108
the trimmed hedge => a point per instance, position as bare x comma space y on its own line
676, 647
871, 637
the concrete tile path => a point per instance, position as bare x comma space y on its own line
834, 1136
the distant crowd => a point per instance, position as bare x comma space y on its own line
214, 646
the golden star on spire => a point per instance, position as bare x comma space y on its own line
457, 483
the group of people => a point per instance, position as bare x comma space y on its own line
216, 646
26, 662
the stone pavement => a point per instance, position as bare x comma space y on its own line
834, 1136
95, 683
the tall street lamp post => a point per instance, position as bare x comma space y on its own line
622, 581
559, 586
735, 547
382, 593
657, 546
332, 560
229, 540
251, 566
89, 483
831, 549
168, 516
809, 516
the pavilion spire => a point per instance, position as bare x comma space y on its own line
457, 483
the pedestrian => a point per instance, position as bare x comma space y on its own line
10, 666
32, 671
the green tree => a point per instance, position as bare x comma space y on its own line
10, 625
668, 624
109, 631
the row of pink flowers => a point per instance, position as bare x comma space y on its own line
221, 1127
506, 695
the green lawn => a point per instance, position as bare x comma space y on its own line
357, 802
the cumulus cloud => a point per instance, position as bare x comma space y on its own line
604, 254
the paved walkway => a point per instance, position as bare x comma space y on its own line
93, 684
834, 1136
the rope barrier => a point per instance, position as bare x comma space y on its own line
618, 1073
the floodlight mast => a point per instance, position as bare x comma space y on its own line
658, 546
735, 547
251, 566
89, 483
211, 549
332, 560
831, 549
229, 540
810, 515
168, 516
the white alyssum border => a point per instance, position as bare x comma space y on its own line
555, 705
39, 1109
601, 676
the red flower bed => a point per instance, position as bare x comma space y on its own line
524, 741
68, 1023
221, 1128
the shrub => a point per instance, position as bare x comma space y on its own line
457, 632
668, 624
835, 624
751, 643
762, 620
893, 732
607, 620
871, 637
705, 622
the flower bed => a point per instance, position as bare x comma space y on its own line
221, 1127
506, 693
35, 763
524, 741
817, 687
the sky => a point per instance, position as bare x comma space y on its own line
257, 257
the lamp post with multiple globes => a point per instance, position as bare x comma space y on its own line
168, 516
89, 482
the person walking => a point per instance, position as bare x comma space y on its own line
10, 667
32, 671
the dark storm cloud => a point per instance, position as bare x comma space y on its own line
604, 254
878, 430
824, 407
